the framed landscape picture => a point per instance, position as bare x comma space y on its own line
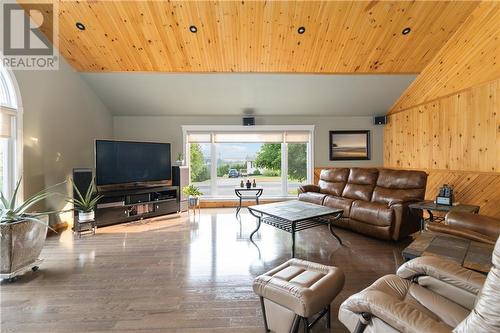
349, 145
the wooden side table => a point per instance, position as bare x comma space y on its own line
430, 206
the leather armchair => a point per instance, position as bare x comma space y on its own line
475, 227
456, 299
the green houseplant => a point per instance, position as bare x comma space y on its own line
85, 204
193, 194
22, 234
180, 159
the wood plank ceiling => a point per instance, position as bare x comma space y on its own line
471, 57
260, 36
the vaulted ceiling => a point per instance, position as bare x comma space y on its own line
256, 36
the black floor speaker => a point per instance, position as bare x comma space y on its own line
82, 178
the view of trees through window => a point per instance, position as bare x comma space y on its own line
236, 162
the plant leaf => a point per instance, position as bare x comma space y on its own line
42, 195
14, 195
5, 203
37, 197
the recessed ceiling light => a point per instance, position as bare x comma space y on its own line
301, 30
80, 26
193, 29
406, 31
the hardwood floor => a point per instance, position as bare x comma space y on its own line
176, 275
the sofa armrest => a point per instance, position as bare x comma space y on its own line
485, 225
444, 270
405, 221
400, 315
460, 232
308, 188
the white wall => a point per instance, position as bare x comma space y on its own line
168, 129
62, 117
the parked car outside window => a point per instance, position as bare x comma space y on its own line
233, 173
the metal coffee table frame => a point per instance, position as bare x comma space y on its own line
241, 193
295, 225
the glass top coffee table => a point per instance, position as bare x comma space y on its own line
293, 216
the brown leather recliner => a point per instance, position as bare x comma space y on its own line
375, 201
475, 227
459, 300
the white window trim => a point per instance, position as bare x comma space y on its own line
18, 144
258, 128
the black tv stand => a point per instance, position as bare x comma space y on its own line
121, 205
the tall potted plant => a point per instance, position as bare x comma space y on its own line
193, 194
85, 204
22, 234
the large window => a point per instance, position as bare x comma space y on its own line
277, 158
8, 123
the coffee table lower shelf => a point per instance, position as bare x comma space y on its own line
294, 226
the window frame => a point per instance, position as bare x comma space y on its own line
13, 106
187, 129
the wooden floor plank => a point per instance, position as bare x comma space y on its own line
177, 275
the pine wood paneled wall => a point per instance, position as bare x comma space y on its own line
448, 121
476, 188
458, 132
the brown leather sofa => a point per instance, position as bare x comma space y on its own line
375, 201
475, 227
457, 299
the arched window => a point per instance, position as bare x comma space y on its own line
8, 132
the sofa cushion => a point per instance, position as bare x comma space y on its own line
360, 184
312, 197
395, 186
372, 213
363, 176
332, 181
340, 203
402, 179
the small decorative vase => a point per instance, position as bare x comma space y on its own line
85, 216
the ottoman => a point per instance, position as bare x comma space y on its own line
296, 291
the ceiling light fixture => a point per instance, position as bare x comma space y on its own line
193, 29
80, 26
301, 30
406, 31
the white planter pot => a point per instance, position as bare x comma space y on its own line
85, 216
193, 201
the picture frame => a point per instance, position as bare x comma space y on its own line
349, 145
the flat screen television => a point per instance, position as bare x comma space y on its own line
122, 162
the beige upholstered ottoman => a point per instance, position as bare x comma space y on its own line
296, 291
